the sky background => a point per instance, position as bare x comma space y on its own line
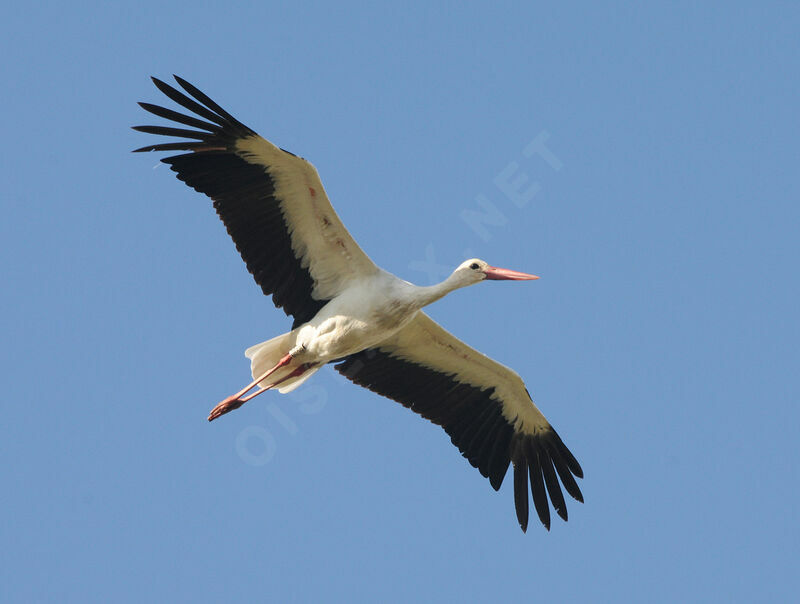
661, 340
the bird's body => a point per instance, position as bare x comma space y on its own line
370, 311
348, 310
363, 315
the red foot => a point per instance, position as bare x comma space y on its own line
229, 404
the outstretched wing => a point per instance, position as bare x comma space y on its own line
482, 405
271, 202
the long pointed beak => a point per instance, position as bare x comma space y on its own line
505, 274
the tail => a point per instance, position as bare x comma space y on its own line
265, 356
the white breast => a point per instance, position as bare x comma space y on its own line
363, 315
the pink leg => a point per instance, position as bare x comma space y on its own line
235, 400
299, 371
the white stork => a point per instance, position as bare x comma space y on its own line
347, 309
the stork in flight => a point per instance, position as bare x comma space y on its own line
348, 310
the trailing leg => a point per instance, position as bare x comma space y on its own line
237, 400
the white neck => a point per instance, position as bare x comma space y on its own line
428, 294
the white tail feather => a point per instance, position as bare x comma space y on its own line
265, 356
274, 348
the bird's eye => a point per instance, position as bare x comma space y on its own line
474, 266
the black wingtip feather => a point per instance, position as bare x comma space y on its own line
187, 103
553, 488
563, 472
177, 132
204, 98
567, 455
521, 491
537, 485
175, 116
180, 146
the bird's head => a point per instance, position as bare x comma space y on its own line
475, 270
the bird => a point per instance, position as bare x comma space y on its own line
349, 312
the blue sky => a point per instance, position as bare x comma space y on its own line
661, 340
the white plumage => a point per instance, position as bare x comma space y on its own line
348, 310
